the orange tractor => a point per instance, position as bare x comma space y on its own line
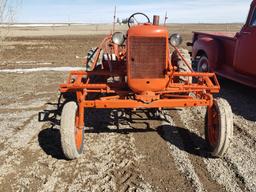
137, 71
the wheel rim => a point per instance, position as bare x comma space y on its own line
213, 131
78, 134
203, 65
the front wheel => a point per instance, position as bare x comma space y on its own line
219, 127
71, 136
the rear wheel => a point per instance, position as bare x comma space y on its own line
91, 57
181, 65
71, 136
219, 127
96, 79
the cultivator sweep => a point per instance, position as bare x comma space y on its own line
137, 71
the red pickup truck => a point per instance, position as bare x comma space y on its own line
232, 56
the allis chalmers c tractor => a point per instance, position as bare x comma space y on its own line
136, 71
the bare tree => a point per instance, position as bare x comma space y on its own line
7, 16
3, 5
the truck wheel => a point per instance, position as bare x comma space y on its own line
71, 136
219, 135
203, 64
181, 65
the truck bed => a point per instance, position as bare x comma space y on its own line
225, 35
227, 42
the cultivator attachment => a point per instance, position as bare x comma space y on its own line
126, 72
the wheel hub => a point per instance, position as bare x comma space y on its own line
204, 67
213, 133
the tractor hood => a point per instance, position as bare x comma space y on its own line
148, 30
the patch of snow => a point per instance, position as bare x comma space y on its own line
40, 69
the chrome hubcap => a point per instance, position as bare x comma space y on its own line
204, 67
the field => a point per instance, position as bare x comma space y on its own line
166, 154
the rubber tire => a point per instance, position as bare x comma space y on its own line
67, 128
225, 128
182, 67
96, 79
200, 63
91, 56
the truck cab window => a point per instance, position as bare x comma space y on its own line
253, 20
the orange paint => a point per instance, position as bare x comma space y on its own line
145, 77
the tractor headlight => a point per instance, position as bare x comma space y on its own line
118, 38
175, 39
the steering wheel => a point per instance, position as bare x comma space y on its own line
135, 18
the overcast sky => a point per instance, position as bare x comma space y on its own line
101, 11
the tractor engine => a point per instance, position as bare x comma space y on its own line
147, 58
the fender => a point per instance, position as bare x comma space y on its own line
207, 46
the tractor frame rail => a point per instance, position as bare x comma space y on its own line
121, 97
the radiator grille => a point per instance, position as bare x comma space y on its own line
147, 57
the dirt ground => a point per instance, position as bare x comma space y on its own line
166, 154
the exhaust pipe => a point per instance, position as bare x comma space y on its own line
156, 20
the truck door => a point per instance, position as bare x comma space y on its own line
245, 53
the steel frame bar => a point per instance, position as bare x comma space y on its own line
206, 85
134, 104
210, 83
